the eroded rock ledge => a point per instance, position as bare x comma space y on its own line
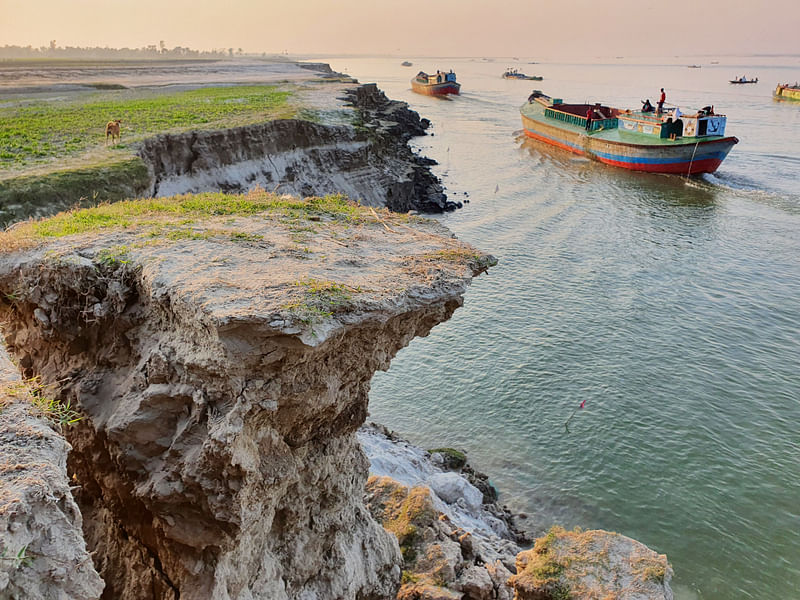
42, 551
222, 375
369, 160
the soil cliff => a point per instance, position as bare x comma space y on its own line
42, 551
220, 349
350, 139
367, 159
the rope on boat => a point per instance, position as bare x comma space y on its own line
689, 172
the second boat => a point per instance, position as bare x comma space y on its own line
439, 84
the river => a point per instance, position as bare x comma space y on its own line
671, 307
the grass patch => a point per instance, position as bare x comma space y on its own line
655, 573
60, 190
36, 131
57, 413
463, 255
151, 213
320, 299
454, 459
409, 577
544, 569
18, 559
650, 569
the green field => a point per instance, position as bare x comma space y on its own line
36, 132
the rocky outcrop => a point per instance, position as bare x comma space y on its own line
369, 161
455, 545
42, 552
222, 376
591, 564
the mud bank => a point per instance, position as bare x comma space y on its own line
355, 142
369, 161
222, 376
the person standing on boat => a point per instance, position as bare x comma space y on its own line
589, 114
661, 101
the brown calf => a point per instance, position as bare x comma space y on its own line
112, 129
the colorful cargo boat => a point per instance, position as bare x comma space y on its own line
641, 141
439, 84
787, 91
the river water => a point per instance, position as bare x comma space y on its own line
671, 307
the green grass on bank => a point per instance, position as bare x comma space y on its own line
43, 194
152, 213
35, 132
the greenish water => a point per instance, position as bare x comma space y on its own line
672, 308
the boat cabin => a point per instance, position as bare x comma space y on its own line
673, 124
438, 77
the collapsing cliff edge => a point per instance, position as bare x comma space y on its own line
370, 161
358, 146
223, 368
219, 351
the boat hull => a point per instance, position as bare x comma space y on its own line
436, 89
787, 93
700, 155
523, 77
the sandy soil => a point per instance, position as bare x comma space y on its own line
33, 78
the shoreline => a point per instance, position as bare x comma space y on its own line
194, 364
346, 138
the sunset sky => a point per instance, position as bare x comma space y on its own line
568, 29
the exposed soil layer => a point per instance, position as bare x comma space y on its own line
222, 378
369, 161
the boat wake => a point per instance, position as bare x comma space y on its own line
732, 181
749, 189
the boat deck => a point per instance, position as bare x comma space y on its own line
536, 111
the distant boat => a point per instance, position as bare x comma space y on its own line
694, 66
787, 91
714, 62
744, 80
629, 139
440, 84
405, 63
514, 74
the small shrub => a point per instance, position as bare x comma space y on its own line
59, 414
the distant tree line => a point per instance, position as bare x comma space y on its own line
152, 51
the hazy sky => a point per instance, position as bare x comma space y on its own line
568, 28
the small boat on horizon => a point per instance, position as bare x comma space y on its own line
744, 80
405, 63
440, 84
695, 67
514, 74
787, 91
639, 141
